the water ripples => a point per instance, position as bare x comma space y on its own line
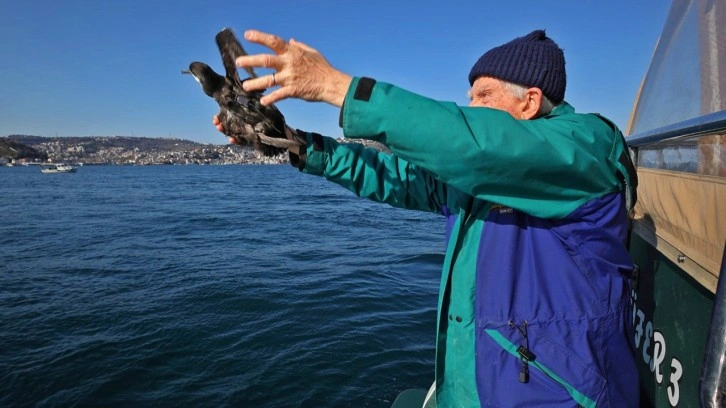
250, 286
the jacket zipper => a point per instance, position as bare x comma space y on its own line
525, 354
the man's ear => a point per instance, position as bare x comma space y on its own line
532, 101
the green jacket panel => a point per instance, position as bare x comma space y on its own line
484, 160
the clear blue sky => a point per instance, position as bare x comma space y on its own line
82, 68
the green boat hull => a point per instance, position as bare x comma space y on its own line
672, 314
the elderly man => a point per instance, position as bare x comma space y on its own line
534, 305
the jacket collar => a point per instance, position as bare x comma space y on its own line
563, 108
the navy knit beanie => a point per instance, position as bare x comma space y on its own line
533, 61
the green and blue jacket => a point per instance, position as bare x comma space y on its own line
534, 305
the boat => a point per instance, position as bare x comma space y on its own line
677, 139
56, 168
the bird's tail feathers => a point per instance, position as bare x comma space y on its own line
279, 142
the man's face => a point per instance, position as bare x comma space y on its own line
490, 92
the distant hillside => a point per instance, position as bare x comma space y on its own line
93, 144
12, 149
135, 150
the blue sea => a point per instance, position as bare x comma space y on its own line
240, 286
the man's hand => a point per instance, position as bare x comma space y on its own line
218, 125
301, 72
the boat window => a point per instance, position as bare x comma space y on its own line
705, 155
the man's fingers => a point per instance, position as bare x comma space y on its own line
217, 123
277, 95
259, 61
258, 84
273, 42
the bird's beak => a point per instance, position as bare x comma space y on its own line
186, 71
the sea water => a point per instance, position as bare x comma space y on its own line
243, 286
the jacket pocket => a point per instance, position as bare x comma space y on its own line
558, 369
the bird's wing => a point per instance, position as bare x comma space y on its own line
230, 49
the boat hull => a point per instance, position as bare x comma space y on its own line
671, 316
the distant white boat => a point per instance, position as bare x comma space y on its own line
57, 168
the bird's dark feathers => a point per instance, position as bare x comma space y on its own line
242, 115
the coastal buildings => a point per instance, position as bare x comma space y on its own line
120, 150
124, 150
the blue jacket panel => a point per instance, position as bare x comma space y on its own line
542, 284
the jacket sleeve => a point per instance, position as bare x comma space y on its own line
546, 167
374, 175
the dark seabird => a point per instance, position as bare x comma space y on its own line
242, 115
